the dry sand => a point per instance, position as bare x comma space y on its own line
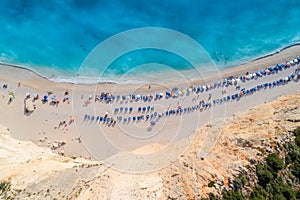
100, 141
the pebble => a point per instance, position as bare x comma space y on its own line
253, 161
54, 145
220, 182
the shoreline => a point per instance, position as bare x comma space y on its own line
236, 68
273, 53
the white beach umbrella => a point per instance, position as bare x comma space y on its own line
295, 60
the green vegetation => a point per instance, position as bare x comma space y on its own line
211, 184
278, 177
239, 182
4, 186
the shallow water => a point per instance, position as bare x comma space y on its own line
54, 37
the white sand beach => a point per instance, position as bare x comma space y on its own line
94, 140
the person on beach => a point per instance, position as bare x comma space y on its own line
209, 96
66, 100
106, 114
19, 84
71, 120
11, 98
61, 123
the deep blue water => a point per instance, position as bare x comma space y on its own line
54, 37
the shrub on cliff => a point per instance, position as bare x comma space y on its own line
297, 135
232, 195
275, 162
258, 193
4, 186
295, 169
264, 175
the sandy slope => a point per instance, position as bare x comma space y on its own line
36, 173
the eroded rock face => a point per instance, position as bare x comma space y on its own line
220, 152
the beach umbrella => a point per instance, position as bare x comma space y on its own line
183, 91
292, 62
175, 90
287, 64
295, 60
190, 90
27, 94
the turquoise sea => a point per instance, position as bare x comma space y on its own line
54, 37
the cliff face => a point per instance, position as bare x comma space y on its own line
220, 151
